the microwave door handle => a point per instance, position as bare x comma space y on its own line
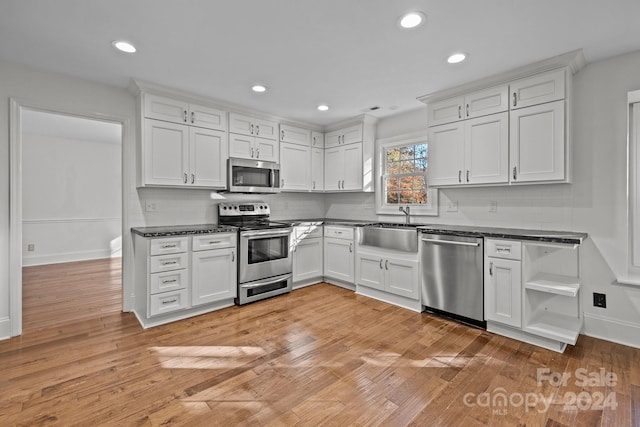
273, 178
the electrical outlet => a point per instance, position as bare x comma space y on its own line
452, 206
599, 300
493, 206
150, 207
31, 247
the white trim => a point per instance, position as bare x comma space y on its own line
5, 328
401, 140
15, 200
30, 261
614, 330
66, 220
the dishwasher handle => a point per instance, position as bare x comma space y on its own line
452, 242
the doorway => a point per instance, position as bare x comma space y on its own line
67, 180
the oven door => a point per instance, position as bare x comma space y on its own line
252, 176
264, 254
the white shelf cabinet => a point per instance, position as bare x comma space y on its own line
178, 155
532, 292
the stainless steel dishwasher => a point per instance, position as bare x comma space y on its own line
453, 276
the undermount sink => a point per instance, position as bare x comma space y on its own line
399, 237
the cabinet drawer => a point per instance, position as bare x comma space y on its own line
162, 263
307, 231
338, 232
167, 281
170, 245
507, 249
168, 302
206, 242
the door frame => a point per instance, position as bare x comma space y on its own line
15, 198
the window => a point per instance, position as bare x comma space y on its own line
402, 170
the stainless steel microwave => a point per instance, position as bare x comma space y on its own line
253, 176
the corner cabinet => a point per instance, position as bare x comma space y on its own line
295, 158
181, 144
532, 292
517, 132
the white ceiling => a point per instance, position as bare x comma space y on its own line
348, 53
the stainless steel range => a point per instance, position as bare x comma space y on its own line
265, 264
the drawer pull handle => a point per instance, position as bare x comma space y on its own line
164, 282
381, 263
491, 268
503, 250
233, 256
170, 301
515, 99
185, 115
257, 129
169, 262
169, 245
193, 117
214, 242
386, 264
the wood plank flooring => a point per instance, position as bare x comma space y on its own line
317, 356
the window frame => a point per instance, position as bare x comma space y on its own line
382, 208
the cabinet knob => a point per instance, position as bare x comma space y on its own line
467, 176
467, 110
257, 129
515, 173
381, 263
459, 176
515, 99
233, 256
386, 264
350, 246
252, 151
459, 111
251, 129
193, 117
185, 116
193, 178
186, 178
491, 268
257, 153
282, 135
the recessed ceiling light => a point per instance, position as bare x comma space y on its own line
259, 88
323, 107
457, 57
411, 19
124, 46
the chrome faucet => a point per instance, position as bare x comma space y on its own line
407, 212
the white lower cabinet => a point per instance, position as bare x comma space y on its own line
339, 254
389, 275
181, 276
213, 276
307, 255
503, 291
532, 292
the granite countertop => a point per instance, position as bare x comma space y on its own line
569, 237
182, 230
328, 221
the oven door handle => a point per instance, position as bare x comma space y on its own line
268, 282
266, 233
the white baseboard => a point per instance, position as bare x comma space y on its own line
5, 328
614, 330
65, 257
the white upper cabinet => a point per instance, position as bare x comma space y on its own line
295, 162
446, 154
346, 135
253, 126
317, 139
343, 169
480, 103
539, 89
253, 148
295, 135
183, 156
486, 149
177, 111
317, 169
537, 143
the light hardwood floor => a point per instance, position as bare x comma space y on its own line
320, 355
